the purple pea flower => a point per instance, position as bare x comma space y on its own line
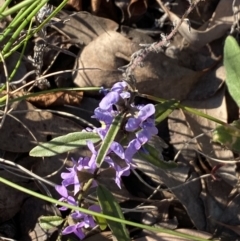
119, 171
82, 221
76, 229
144, 113
117, 92
71, 178
62, 190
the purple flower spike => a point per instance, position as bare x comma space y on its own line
110, 99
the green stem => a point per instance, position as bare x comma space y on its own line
16, 8
100, 215
38, 28
20, 57
186, 108
4, 6
31, 11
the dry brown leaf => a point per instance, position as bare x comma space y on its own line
229, 221
95, 5
149, 236
209, 84
159, 76
216, 107
43, 125
188, 194
137, 8
234, 228
31, 210
76, 4
57, 99
160, 237
103, 236
83, 27
11, 199
131, 10
215, 193
215, 28
181, 137
196, 233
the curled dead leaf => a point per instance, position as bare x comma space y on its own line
57, 99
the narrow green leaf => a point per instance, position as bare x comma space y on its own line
102, 222
111, 207
49, 222
109, 138
153, 156
228, 135
231, 63
164, 109
63, 144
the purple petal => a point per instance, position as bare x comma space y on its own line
76, 229
77, 185
104, 116
132, 148
143, 136
62, 190
69, 229
83, 162
119, 87
68, 181
95, 208
71, 200
118, 169
89, 222
68, 178
77, 215
91, 147
145, 112
150, 127
102, 132
132, 124
103, 90
62, 199
117, 149
110, 99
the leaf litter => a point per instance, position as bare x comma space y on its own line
100, 42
